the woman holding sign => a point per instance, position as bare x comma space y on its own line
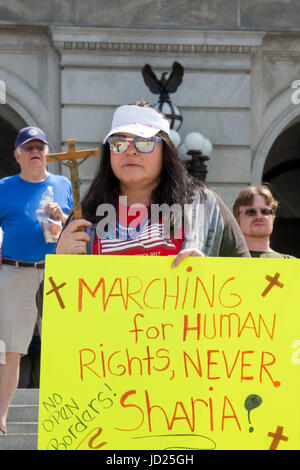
142, 201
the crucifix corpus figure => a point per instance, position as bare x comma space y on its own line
70, 159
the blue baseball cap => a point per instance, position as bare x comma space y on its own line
30, 133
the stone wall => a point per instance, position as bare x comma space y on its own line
186, 14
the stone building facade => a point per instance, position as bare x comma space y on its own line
67, 64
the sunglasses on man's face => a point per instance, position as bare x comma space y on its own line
141, 144
31, 147
254, 212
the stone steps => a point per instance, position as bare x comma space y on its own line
18, 442
22, 428
22, 421
26, 396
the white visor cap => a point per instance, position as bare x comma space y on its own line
144, 122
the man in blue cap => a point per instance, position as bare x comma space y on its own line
23, 250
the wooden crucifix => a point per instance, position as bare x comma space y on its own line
70, 159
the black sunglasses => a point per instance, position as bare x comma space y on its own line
254, 212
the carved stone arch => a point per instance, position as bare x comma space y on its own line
25, 105
9, 114
285, 119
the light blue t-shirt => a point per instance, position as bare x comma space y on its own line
23, 237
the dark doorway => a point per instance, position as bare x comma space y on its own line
8, 163
282, 173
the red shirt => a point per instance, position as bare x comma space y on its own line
138, 237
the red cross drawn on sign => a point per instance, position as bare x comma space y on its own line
273, 281
55, 289
277, 437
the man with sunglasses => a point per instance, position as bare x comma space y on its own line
23, 251
254, 210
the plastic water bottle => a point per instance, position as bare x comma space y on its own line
47, 196
44, 218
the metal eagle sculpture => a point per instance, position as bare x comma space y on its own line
164, 86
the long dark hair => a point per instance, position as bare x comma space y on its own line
176, 184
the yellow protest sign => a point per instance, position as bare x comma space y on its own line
137, 355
